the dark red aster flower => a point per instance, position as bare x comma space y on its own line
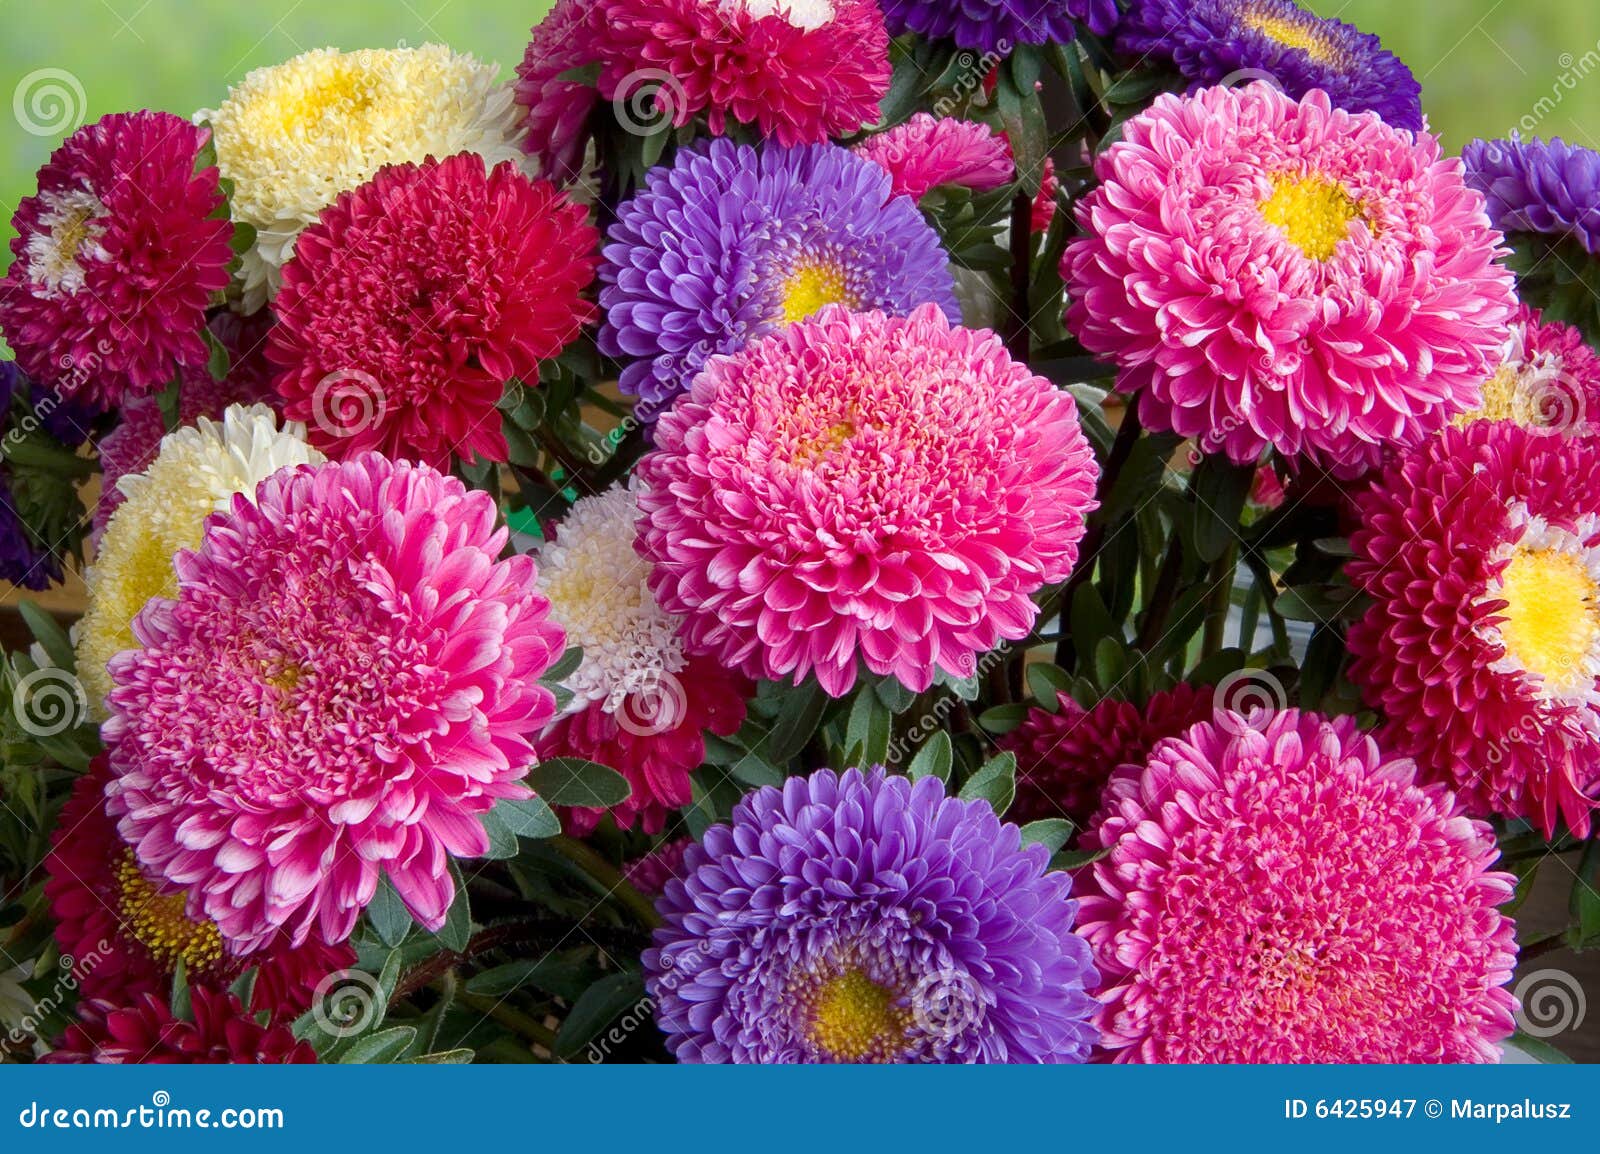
417, 296
1064, 759
218, 1032
126, 934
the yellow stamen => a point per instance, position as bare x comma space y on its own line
160, 923
1552, 617
813, 284
1314, 211
856, 1020
1293, 34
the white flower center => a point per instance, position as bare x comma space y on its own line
69, 235
807, 14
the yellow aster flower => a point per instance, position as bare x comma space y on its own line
292, 137
196, 473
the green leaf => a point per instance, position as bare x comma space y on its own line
48, 633
894, 695
995, 782
868, 725
244, 987
1584, 902
530, 817
1077, 859
182, 1001
600, 1005
574, 781
1051, 832
565, 668
1110, 663
457, 929
388, 914
462, 1057
381, 1047
218, 361
565, 975
1220, 488
797, 720
502, 841
933, 759
1002, 718
755, 770
1047, 682
1538, 1049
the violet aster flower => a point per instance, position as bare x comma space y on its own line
999, 25
862, 918
1213, 41
731, 242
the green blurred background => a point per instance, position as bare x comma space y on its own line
1485, 65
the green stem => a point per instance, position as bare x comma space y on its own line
511, 1018
1121, 449
38, 455
602, 871
1219, 601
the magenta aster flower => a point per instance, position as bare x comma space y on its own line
857, 917
128, 935
115, 259
859, 488
651, 873
799, 71
559, 110
1481, 551
1274, 273
1065, 758
1279, 890
144, 1031
345, 683
414, 299
927, 151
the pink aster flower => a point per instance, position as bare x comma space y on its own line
651, 873
1065, 758
115, 259
1481, 552
345, 683
1280, 890
1548, 379
1268, 272
800, 71
558, 110
1044, 205
926, 152
414, 299
859, 488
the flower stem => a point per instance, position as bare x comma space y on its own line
602, 871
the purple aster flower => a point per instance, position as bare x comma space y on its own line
999, 25
26, 558
731, 241
857, 917
1219, 41
1551, 188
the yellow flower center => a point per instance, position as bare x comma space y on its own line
1502, 400
1293, 34
1313, 211
856, 1020
160, 924
345, 91
1552, 616
813, 284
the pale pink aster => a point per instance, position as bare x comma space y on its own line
928, 151
1274, 273
1548, 380
1280, 890
863, 489
559, 109
346, 682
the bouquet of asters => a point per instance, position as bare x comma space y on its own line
802, 531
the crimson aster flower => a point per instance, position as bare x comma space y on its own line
863, 489
1276, 273
143, 1030
1065, 758
1281, 890
640, 703
346, 681
558, 109
1548, 380
1481, 552
414, 299
799, 71
115, 260
857, 917
127, 934
927, 151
